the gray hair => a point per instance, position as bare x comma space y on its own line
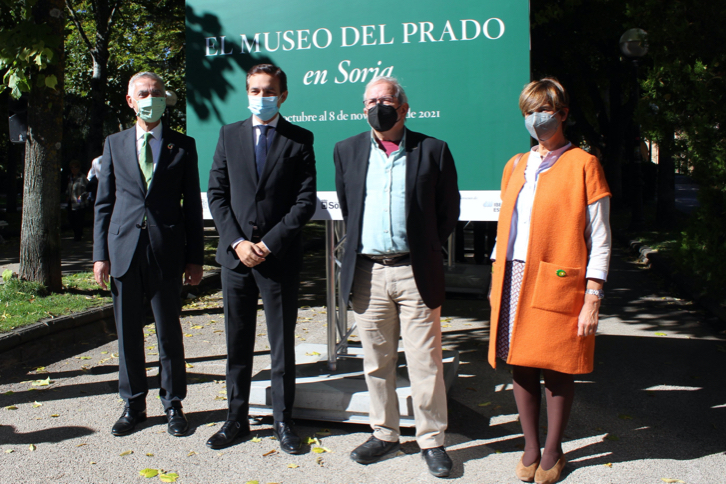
139, 75
398, 89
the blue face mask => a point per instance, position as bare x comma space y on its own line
151, 108
264, 108
541, 126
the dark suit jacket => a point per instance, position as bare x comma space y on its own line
279, 204
432, 206
172, 205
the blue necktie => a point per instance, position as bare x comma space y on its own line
261, 148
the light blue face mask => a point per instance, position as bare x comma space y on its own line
264, 108
541, 126
151, 108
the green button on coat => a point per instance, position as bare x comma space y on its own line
561, 273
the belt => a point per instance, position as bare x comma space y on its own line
387, 260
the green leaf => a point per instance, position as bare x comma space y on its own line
660, 334
252, 482
48, 53
41, 383
148, 473
11, 407
256, 439
125, 453
32, 447
169, 477
485, 404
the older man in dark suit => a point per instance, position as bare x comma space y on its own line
261, 193
398, 194
148, 232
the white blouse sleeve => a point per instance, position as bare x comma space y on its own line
598, 238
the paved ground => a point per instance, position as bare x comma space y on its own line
653, 409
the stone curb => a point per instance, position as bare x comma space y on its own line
664, 266
102, 314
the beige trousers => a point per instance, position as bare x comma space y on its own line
387, 304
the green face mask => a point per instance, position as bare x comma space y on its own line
151, 108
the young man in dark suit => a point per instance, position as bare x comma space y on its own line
261, 193
148, 231
398, 193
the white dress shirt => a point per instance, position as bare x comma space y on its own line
597, 232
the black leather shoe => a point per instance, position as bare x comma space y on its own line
372, 450
289, 440
230, 431
128, 420
438, 461
178, 424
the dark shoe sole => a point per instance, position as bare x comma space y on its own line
377, 458
237, 439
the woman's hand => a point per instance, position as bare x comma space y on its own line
589, 315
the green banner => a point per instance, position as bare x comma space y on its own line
461, 62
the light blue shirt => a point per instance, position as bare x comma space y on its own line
384, 209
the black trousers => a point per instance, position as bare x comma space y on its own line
144, 279
75, 219
278, 285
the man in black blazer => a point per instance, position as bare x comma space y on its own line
148, 232
261, 193
398, 193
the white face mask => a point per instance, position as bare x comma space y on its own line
541, 126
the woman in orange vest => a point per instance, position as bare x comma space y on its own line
550, 263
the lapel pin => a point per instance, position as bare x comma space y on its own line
170, 146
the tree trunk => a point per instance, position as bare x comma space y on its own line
40, 257
666, 206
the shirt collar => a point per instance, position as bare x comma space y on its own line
551, 157
272, 123
401, 145
155, 132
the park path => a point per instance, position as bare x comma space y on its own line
653, 409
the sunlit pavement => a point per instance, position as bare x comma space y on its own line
654, 409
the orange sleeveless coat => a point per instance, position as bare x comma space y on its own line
544, 334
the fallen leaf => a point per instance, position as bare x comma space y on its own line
104, 352
149, 473
252, 482
312, 440
312, 353
81, 445
191, 453
485, 404
41, 383
40, 369
114, 355
445, 325
128, 452
211, 424
169, 477
11, 407
189, 365
660, 334
273, 451
55, 415
625, 417
7, 394
188, 335
36, 404
497, 451
256, 439
318, 450
292, 466
196, 326
319, 461
149, 454
83, 357
609, 464
220, 397
323, 432
612, 437
92, 462
9, 451
32, 447
665, 479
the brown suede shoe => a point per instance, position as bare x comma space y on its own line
552, 475
526, 474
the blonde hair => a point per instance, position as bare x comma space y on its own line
546, 91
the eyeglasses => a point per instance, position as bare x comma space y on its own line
387, 100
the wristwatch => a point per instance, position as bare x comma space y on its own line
596, 292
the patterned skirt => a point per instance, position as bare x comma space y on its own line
513, 274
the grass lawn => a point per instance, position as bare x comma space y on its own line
23, 303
